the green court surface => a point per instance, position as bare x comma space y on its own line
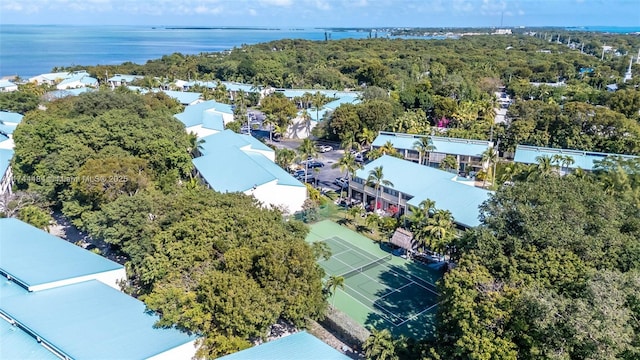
380, 290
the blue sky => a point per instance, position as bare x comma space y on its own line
334, 13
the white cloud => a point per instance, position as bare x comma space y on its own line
492, 7
253, 12
202, 9
276, 2
461, 6
323, 5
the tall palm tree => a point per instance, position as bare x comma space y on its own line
366, 137
424, 146
376, 180
419, 219
318, 102
388, 149
195, 145
544, 167
449, 162
270, 120
333, 283
307, 121
349, 142
380, 345
307, 150
285, 158
490, 156
440, 229
348, 164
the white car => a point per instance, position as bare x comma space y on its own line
324, 148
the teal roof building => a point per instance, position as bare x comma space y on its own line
232, 162
467, 152
584, 160
301, 345
58, 300
413, 183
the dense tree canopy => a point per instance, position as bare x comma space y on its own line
218, 265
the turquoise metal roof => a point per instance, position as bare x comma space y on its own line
125, 78
34, 257
11, 117
15, 344
443, 145
424, 182
7, 129
217, 143
231, 171
207, 84
6, 83
315, 116
342, 100
212, 120
183, 97
233, 86
90, 320
228, 163
300, 345
82, 77
582, 159
291, 93
206, 113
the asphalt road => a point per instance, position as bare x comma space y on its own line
327, 173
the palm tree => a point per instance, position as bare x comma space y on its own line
271, 121
424, 146
366, 137
307, 150
564, 161
388, 149
449, 162
349, 143
544, 167
380, 345
307, 121
285, 158
419, 219
376, 180
348, 164
333, 283
490, 157
195, 145
318, 102
440, 229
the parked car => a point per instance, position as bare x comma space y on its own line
324, 148
359, 157
310, 178
314, 164
298, 173
341, 182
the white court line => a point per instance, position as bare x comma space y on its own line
418, 314
394, 290
358, 250
369, 307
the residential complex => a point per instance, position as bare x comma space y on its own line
232, 162
59, 301
411, 183
468, 153
584, 160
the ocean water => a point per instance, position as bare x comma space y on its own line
28, 50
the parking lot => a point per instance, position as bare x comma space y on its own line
326, 174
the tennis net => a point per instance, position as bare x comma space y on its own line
365, 267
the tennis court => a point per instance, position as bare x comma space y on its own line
375, 283
379, 292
